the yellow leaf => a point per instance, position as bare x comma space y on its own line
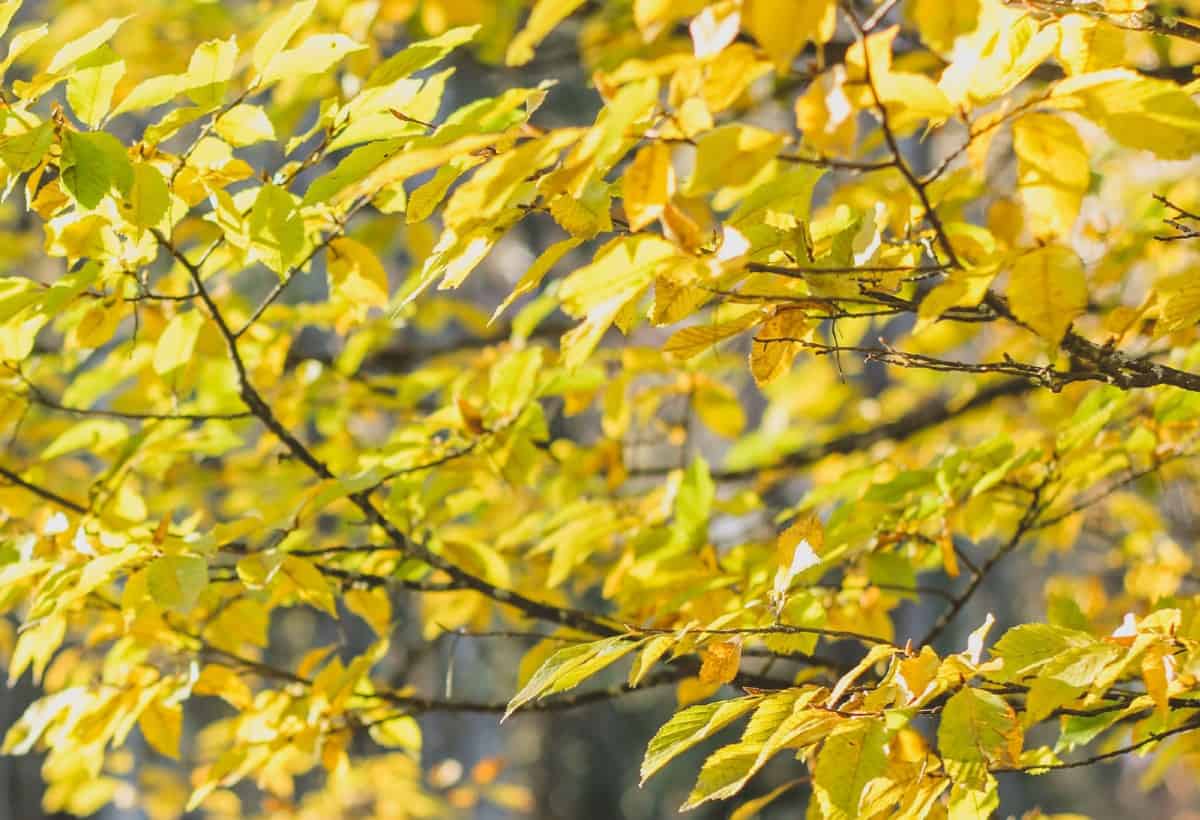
1052, 172
35, 646
245, 125
162, 726
805, 529
1156, 664
209, 69
310, 585
177, 581
1179, 301
651, 653
940, 23
692, 341
537, 271
725, 81
356, 274
1136, 111
98, 325
373, 606
620, 271
720, 410
825, 116
1089, 45
679, 290
783, 27
1047, 290
693, 690
720, 662
731, 155
946, 546
652, 16
776, 345
546, 15
413, 160
646, 185
223, 682
401, 732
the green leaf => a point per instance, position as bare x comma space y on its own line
849, 760
92, 165
1025, 649
690, 726
514, 381
148, 198
778, 722
352, 168
176, 581
979, 727
568, 667
24, 151
95, 436
276, 229
693, 503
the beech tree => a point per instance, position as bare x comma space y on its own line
831, 310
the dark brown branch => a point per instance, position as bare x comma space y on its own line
1027, 523
253, 400
1145, 20
1154, 737
925, 416
42, 400
48, 495
889, 136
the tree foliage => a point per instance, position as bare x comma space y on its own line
843, 305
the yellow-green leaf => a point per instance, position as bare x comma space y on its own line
73, 51
690, 726
356, 274
176, 581
1052, 172
542, 20
245, 125
178, 341
316, 55
279, 32
1047, 290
